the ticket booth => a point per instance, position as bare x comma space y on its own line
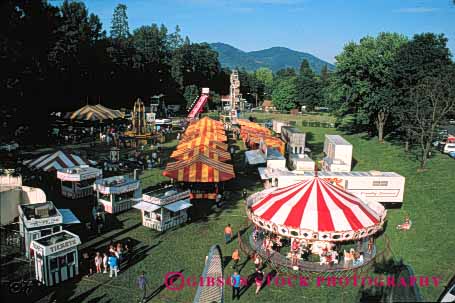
56, 257
117, 193
42, 219
77, 182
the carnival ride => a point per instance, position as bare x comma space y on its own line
198, 105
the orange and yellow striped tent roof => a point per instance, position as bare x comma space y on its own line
203, 141
212, 153
199, 169
210, 136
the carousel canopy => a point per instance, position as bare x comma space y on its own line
55, 161
96, 113
199, 169
315, 210
212, 153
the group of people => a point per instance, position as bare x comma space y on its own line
107, 262
353, 257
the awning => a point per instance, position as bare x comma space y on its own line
179, 205
146, 206
68, 216
254, 157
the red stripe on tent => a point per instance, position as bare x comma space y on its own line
325, 222
272, 210
297, 211
354, 200
347, 211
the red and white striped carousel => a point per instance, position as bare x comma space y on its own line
315, 213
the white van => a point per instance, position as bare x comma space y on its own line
449, 147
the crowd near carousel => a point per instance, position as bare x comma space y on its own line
314, 226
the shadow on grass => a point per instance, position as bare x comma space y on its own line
170, 281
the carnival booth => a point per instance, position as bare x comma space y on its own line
202, 175
164, 208
42, 219
312, 216
118, 193
77, 182
56, 257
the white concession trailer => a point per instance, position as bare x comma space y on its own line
77, 182
338, 153
277, 125
383, 187
294, 139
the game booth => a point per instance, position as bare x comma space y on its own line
118, 193
77, 182
300, 225
42, 219
201, 175
164, 208
56, 257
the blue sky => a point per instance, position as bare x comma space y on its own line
320, 27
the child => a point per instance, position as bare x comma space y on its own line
98, 261
105, 263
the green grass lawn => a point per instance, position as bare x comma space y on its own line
427, 247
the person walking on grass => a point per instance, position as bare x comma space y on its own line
235, 258
228, 233
258, 279
142, 284
235, 281
113, 265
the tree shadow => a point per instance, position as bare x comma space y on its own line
226, 261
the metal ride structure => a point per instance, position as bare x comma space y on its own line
213, 269
139, 131
229, 115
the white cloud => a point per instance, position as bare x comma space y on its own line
416, 10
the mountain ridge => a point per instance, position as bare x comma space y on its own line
275, 58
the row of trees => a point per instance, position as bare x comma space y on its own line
388, 85
59, 58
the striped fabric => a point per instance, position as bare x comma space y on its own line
199, 169
95, 113
203, 141
209, 136
187, 153
55, 161
317, 206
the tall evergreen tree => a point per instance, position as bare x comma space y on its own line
119, 27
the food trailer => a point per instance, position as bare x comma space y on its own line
294, 139
265, 155
301, 162
377, 186
338, 153
56, 257
77, 182
164, 208
118, 193
42, 219
277, 125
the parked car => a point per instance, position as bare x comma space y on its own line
452, 154
449, 147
